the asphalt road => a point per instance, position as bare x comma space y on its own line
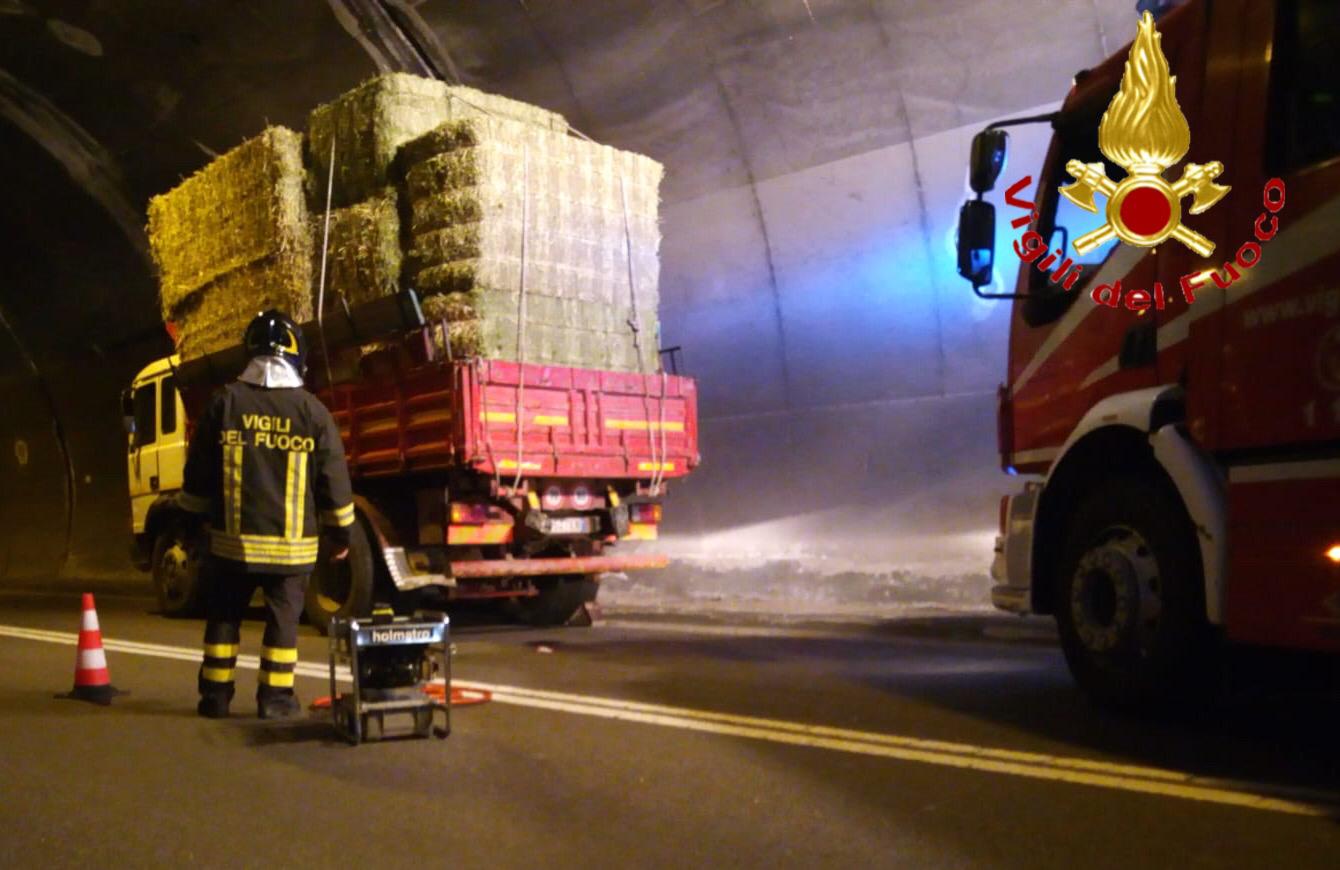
922, 744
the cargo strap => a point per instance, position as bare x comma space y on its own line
321, 287
521, 321
635, 323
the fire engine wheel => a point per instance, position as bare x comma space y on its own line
342, 589
558, 600
176, 571
1130, 597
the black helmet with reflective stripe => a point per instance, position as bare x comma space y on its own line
273, 333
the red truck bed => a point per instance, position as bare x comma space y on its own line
577, 422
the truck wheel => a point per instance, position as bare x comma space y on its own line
558, 600
342, 589
1130, 597
175, 567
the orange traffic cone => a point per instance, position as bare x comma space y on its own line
92, 682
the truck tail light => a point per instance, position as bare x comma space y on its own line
1334, 554
645, 513
469, 514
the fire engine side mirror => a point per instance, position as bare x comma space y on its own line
976, 241
989, 149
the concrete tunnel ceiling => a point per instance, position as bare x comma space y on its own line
814, 152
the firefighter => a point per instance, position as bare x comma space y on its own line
266, 466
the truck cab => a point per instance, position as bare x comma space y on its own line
1179, 410
162, 538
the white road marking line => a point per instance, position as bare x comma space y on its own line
965, 756
854, 631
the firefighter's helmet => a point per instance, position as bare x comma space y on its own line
273, 333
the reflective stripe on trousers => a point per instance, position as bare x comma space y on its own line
277, 665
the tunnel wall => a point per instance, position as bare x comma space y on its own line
848, 430
78, 321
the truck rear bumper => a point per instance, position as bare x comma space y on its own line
407, 577
541, 567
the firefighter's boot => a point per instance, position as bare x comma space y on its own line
278, 705
213, 706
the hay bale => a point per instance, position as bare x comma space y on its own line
370, 123
215, 318
470, 185
504, 274
244, 208
498, 239
503, 157
364, 258
470, 103
547, 216
368, 126
441, 210
488, 327
471, 203
495, 338
479, 191
546, 310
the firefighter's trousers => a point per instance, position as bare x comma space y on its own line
228, 591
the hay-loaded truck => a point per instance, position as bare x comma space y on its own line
1180, 406
484, 478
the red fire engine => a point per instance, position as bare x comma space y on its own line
1183, 411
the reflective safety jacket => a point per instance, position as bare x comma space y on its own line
267, 466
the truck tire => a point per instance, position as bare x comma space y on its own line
175, 568
342, 589
558, 600
1130, 602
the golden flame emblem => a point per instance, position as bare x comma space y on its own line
1144, 132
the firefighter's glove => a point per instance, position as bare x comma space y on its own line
336, 542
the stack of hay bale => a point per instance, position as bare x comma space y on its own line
522, 240
233, 240
521, 234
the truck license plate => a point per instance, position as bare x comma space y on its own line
569, 526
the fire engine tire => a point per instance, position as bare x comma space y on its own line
175, 568
558, 600
1130, 597
342, 589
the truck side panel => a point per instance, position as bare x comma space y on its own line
576, 422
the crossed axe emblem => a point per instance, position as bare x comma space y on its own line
1143, 209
